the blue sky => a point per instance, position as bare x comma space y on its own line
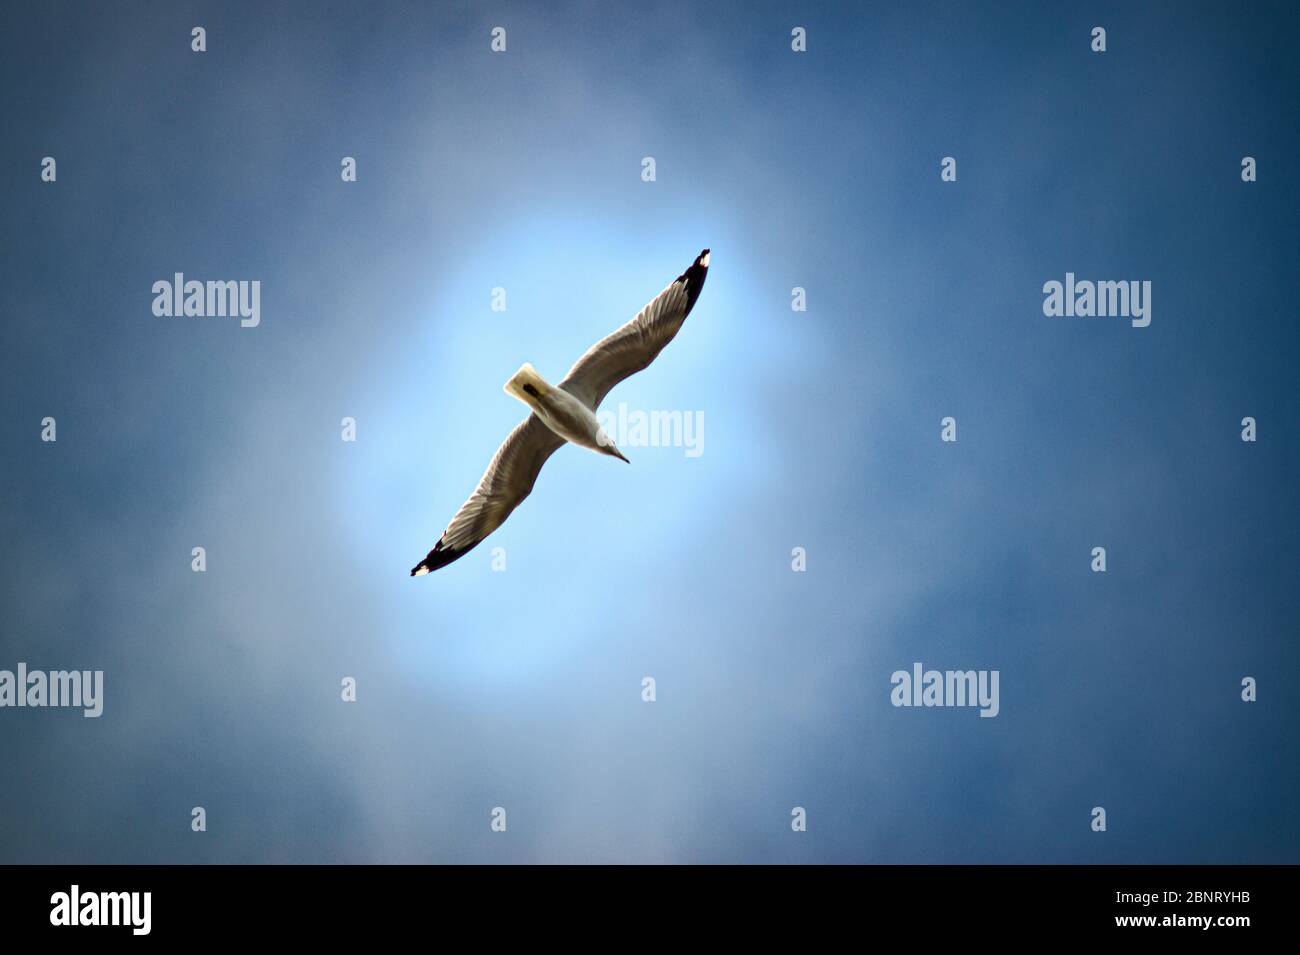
522, 689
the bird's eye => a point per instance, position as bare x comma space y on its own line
530, 390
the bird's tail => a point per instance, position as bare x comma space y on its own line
526, 384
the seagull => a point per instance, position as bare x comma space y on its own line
564, 412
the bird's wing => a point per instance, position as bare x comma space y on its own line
635, 345
506, 482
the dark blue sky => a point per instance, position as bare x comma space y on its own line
522, 689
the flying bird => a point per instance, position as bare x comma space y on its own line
564, 412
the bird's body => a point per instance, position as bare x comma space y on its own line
564, 413
561, 412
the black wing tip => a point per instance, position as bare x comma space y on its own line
438, 557
694, 278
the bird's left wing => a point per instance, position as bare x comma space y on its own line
506, 482
636, 344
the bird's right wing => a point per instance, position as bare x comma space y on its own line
634, 346
506, 482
